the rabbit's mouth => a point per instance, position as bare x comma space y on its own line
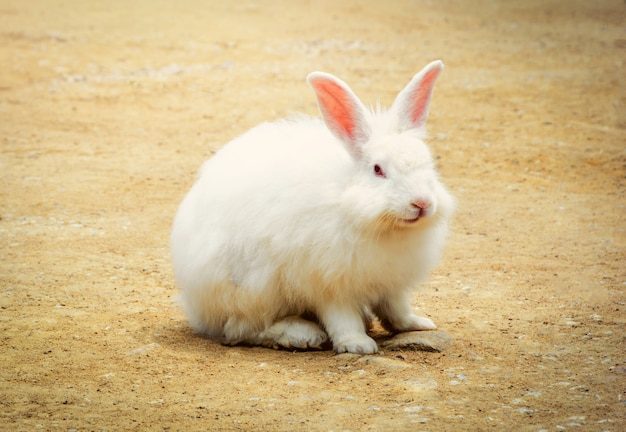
413, 219
421, 209
407, 223
402, 221
415, 216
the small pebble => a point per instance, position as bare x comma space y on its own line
384, 362
419, 385
143, 349
413, 408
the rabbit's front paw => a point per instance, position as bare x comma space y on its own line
415, 323
357, 344
294, 332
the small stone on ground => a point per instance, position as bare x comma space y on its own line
431, 341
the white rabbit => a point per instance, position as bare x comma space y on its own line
295, 219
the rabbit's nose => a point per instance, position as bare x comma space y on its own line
421, 204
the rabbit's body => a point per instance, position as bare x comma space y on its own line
288, 220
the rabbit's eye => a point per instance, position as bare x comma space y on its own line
379, 172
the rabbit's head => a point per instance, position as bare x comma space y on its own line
395, 185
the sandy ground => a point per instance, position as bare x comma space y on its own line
107, 109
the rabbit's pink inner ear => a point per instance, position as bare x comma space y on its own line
420, 98
337, 109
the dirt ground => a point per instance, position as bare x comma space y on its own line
107, 110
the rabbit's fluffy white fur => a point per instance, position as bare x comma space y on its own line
329, 219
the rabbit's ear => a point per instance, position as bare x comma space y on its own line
342, 111
413, 101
